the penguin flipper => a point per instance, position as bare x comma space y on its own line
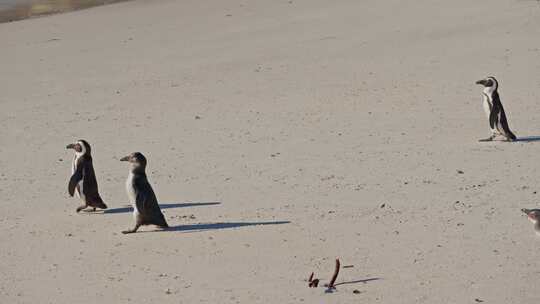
74, 180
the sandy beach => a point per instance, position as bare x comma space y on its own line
280, 135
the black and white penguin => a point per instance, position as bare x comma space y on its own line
534, 216
494, 110
145, 205
83, 179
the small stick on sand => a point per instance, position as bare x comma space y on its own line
312, 282
334, 277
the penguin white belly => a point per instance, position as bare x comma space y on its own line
131, 194
487, 106
79, 188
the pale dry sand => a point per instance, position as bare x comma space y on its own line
312, 112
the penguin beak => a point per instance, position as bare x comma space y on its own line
125, 158
526, 211
482, 82
70, 146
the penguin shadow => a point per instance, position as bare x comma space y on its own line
129, 209
528, 139
218, 226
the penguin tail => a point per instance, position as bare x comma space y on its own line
98, 203
162, 222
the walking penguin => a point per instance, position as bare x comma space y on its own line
494, 110
83, 179
145, 205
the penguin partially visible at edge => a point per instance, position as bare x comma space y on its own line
534, 216
494, 110
146, 210
83, 178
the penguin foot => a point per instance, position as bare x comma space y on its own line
131, 230
487, 139
81, 208
90, 210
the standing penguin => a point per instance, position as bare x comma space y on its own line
145, 205
494, 110
83, 179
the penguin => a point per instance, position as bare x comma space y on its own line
83, 179
494, 110
146, 210
534, 216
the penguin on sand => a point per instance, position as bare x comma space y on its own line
146, 210
83, 178
494, 110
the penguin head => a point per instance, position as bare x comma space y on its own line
81, 147
489, 82
532, 215
136, 160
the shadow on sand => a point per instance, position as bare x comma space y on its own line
162, 206
528, 139
365, 281
218, 226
